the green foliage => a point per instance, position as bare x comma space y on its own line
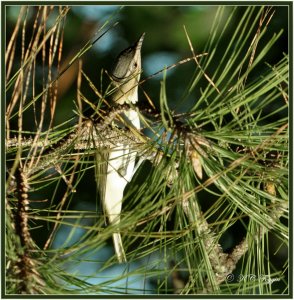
206, 213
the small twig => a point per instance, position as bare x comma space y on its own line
24, 265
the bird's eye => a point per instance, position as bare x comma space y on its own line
135, 65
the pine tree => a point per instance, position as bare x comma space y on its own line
206, 212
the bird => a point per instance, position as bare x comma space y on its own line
116, 166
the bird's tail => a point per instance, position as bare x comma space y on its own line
119, 249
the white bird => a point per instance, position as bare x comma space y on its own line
116, 166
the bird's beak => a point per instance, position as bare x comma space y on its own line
139, 43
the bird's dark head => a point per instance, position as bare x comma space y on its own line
126, 74
128, 62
